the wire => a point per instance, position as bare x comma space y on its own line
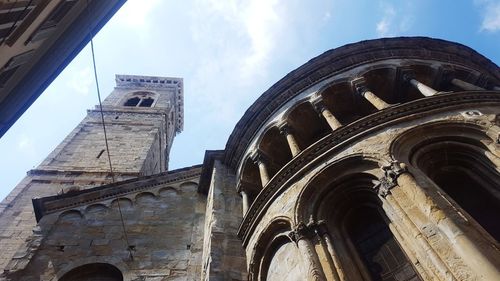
129, 248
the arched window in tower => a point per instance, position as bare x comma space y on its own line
93, 272
147, 102
132, 101
140, 99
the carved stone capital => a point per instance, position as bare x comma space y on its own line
285, 129
408, 75
385, 183
301, 231
258, 157
318, 105
447, 75
359, 85
320, 228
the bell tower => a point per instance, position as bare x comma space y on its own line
141, 116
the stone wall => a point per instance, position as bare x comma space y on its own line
223, 256
131, 137
164, 228
139, 140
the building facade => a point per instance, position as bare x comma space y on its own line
38, 38
378, 160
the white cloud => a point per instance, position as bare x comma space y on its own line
394, 20
254, 25
385, 25
491, 15
136, 13
262, 24
327, 16
235, 42
81, 81
26, 146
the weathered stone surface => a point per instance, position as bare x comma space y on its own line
391, 187
223, 256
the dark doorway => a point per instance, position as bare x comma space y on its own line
93, 272
377, 247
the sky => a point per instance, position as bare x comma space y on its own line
228, 52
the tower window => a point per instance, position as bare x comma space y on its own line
132, 102
140, 99
147, 102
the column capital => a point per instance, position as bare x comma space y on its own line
448, 74
300, 231
258, 157
388, 181
285, 129
359, 85
318, 104
408, 75
241, 189
239, 186
319, 227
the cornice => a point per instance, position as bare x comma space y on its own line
339, 60
348, 134
207, 169
152, 82
47, 205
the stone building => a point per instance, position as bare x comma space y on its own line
378, 160
38, 38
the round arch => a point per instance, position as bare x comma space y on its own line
313, 192
93, 272
456, 161
270, 240
404, 146
140, 99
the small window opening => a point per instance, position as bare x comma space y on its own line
100, 153
147, 102
132, 102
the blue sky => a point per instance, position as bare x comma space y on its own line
228, 53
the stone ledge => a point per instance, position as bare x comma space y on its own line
56, 203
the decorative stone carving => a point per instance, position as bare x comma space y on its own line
302, 235
389, 180
301, 231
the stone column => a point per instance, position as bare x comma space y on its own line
383, 188
359, 85
322, 231
290, 138
320, 107
465, 85
398, 175
244, 199
301, 235
258, 159
424, 89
